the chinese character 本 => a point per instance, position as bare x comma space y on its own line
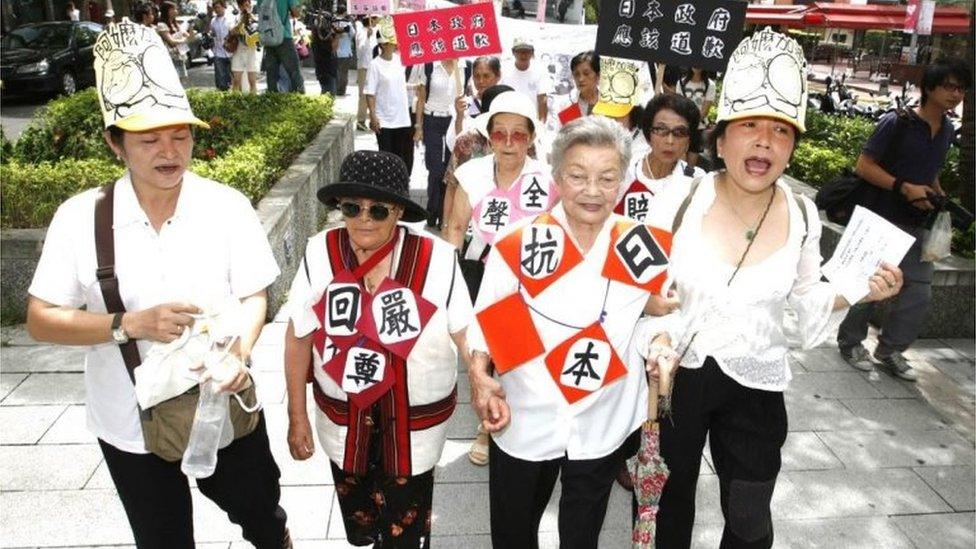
533, 192
622, 36
481, 40
460, 43
413, 30
681, 43
653, 11
477, 21
434, 26
683, 14
456, 23
719, 20
583, 367
713, 47
416, 50
496, 214
636, 206
626, 8
540, 256
396, 315
438, 46
366, 365
649, 38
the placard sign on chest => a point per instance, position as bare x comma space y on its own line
700, 33
447, 33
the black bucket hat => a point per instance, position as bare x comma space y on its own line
376, 175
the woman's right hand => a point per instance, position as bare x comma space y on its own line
163, 323
661, 357
300, 442
488, 401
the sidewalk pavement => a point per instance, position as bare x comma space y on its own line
870, 461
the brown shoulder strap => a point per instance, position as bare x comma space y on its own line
680, 214
105, 272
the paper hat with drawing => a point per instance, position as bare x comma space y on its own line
619, 91
138, 88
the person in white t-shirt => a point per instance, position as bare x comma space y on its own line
72, 12
526, 78
220, 25
437, 87
386, 98
365, 32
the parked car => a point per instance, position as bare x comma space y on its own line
48, 58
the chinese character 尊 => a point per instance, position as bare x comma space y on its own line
477, 21
460, 43
681, 43
434, 26
496, 214
649, 38
719, 20
531, 195
395, 318
438, 46
413, 30
540, 255
366, 365
713, 47
583, 367
683, 14
653, 11
456, 23
636, 204
626, 8
622, 36
416, 50
481, 40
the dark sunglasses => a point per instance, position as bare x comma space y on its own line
377, 212
679, 132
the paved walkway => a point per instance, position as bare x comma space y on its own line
869, 462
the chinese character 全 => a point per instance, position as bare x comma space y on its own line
495, 215
396, 315
583, 367
622, 36
460, 43
434, 26
719, 20
540, 257
653, 11
683, 14
531, 195
649, 38
681, 43
713, 47
481, 40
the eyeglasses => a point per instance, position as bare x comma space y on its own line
679, 132
952, 87
516, 137
605, 182
377, 212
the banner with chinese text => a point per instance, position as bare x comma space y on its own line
702, 33
447, 33
369, 7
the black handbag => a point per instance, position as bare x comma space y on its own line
473, 270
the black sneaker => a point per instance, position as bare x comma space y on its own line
858, 357
898, 366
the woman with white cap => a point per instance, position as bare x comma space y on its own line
126, 269
744, 248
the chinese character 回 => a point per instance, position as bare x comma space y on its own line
343, 309
396, 315
540, 256
713, 47
622, 36
684, 14
681, 43
649, 38
366, 365
583, 367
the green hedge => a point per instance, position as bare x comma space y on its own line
252, 140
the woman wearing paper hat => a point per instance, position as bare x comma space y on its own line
745, 246
168, 242
378, 312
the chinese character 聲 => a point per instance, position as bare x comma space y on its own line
713, 47
653, 11
416, 50
649, 38
496, 214
434, 26
622, 36
460, 43
636, 204
683, 14
540, 256
477, 21
531, 195
719, 20
583, 367
438, 46
396, 315
343, 301
366, 365
456, 23
481, 40
681, 43
626, 8
413, 30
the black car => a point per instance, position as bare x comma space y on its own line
48, 58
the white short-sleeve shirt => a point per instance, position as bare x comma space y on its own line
387, 82
213, 247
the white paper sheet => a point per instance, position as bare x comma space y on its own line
868, 241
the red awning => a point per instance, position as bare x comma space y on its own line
776, 15
947, 20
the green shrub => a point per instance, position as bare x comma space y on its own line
816, 164
252, 140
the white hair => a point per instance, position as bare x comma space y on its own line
592, 131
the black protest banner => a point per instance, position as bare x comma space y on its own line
699, 33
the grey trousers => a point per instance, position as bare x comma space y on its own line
905, 314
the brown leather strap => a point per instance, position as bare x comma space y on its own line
105, 271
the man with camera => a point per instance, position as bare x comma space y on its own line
902, 159
221, 23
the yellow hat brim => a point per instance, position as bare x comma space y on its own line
141, 122
612, 110
800, 127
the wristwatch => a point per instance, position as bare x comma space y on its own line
118, 333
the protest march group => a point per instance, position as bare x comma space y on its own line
621, 274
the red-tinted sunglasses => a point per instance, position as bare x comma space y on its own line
517, 138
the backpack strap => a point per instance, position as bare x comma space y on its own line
680, 214
105, 272
804, 215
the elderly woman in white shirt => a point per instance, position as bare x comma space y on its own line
744, 248
560, 299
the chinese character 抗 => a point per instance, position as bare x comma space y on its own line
681, 43
583, 367
713, 47
653, 11
719, 20
649, 38
622, 36
366, 365
540, 256
683, 14
396, 315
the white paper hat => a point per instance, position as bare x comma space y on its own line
386, 33
619, 91
766, 76
510, 102
138, 88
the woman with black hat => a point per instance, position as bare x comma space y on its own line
378, 313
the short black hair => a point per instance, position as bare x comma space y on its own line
221, 2
491, 93
590, 57
719, 130
116, 134
494, 64
682, 106
635, 116
936, 74
141, 10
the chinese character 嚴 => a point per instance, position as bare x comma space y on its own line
396, 315
719, 20
713, 47
653, 11
540, 256
622, 36
684, 14
681, 43
649, 38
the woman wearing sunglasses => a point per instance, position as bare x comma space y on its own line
496, 190
670, 125
377, 314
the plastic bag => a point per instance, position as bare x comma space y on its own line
938, 240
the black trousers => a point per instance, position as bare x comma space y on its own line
398, 141
436, 156
519, 490
746, 429
156, 494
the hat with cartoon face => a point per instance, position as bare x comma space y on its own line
766, 76
138, 88
619, 91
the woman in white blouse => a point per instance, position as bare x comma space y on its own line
437, 88
745, 247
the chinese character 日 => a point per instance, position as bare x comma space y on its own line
481, 40
649, 38
626, 8
639, 252
719, 20
396, 315
540, 256
583, 367
653, 11
622, 36
413, 30
681, 43
460, 43
366, 365
477, 21
434, 26
684, 14
713, 47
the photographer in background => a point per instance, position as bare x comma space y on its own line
902, 160
345, 53
321, 23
